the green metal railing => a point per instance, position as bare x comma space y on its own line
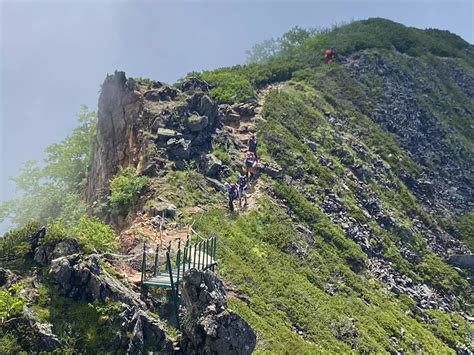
200, 255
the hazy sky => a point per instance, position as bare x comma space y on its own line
55, 54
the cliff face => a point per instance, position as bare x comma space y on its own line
146, 123
119, 111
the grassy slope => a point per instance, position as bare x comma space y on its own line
287, 291
287, 303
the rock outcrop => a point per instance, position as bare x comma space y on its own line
208, 326
119, 110
144, 125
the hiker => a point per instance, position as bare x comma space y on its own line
233, 191
328, 55
249, 163
242, 183
252, 144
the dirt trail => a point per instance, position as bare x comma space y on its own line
242, 130
143, 227
147, 228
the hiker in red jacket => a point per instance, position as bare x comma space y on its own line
328, 55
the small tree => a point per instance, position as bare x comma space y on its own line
52, 190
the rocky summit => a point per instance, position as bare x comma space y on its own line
354, 233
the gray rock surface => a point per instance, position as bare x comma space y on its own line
82, 278
208, 326
210, 165
7, 278
159, 208
197, 123
120, 104
45, 253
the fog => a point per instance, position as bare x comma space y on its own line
55, 55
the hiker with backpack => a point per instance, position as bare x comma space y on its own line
233, 193
249, 163
252, 144
328, 55
242, 183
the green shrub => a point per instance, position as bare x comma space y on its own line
84, 327
94, 234
436, 272
55, 232
229, 85
11, 303
16, 243
125, 188
9, 344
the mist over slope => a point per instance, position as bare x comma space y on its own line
358, 230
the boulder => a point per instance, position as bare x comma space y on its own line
311, 145
33, 335
163, 134
193, 84
45, 253
204, 106
245, 109
210, 165
160, 94
197, 123
227, 115
151, 168
178, 149
271, 169
82, 278
42, 254
216, 184
66, 247
208, 326
168, 209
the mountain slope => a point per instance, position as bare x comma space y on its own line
365, 188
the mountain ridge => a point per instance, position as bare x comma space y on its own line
364, 173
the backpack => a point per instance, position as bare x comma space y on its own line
253, 145
233, 191
249, 160
242, 181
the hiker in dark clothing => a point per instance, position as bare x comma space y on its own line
242, 183
233, 192
252, 144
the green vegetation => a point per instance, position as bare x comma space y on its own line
11, 303
91, 233
52, 190
306, 46
303, 292
185, 189
94, 234
440, 275
287, 298
16, 243
88, 327
229, 85
125, 188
